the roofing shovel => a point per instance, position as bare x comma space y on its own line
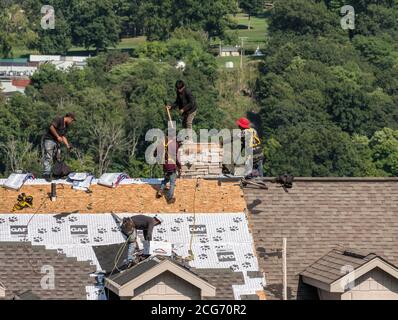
250, 182
168, 114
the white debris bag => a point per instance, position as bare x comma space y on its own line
158, 248
78, 176
83, 185
16, 180
112, 180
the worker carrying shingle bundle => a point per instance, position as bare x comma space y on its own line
130, 226
249, 135
171, 167
52, 139
186, 104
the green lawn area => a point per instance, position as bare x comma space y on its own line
256, 35
124, 44
23, 52
236, 60
129, 43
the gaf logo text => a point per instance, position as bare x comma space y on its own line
226, 256
198, 229
79, 230
19, 230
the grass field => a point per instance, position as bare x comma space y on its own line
256, 35
124, 44
236, 60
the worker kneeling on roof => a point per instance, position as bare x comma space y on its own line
249, 135
131, 225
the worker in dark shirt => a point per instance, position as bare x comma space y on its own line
131, 225
52, 140
186, 104
171, 166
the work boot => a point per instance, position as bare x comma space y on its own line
47, 177
171, 201
159, 194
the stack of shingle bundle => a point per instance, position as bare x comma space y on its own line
200, 159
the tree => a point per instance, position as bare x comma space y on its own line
55, 41
302, 17
95, 24
252, 7
5, 45
109, 138
161, 18
16, 153
15, 29
384, 147
312, 150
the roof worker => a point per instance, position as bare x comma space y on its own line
52, 139
171, 166
249, 135
186, 104
130, 226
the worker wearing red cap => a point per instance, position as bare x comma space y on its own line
250, 135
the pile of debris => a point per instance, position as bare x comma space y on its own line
200, 159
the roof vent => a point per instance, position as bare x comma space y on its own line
354, 254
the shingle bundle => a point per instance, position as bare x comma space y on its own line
200, 160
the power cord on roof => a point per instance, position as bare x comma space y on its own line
26, 237
191, 256
116, 261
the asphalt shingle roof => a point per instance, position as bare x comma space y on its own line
21, 271
222, 279
317, 215
128, 275
330, 267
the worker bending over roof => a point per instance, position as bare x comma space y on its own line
131, 225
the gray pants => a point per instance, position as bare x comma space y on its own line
49, 150
187, 120
132, 241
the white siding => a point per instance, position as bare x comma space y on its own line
374, 285
167, 286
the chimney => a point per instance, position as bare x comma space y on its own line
199, 160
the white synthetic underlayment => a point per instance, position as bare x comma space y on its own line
224, 237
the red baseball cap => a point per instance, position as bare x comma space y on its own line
243, 123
